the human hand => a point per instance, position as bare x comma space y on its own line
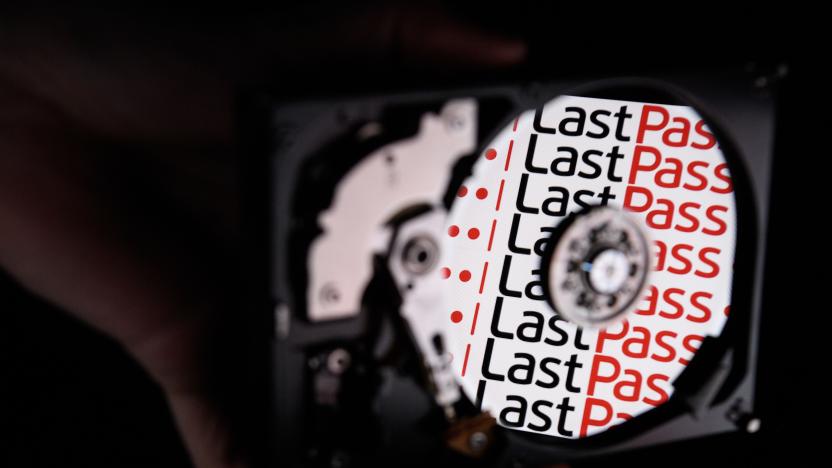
117, 175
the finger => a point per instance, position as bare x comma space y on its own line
137, 91
204, 430
130, 94
430, 37
412, 34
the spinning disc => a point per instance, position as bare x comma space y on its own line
585, 260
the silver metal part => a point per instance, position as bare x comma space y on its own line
282, 320
422, 305
338, 361
478, 441
406, 173
599, 267
420, 255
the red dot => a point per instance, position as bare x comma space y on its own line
456, 316
491, 153
445, 272
464, 276
462, 191
473, 233
482, 193
453, 230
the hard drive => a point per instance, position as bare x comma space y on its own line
520, 274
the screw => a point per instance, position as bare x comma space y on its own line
329, 294
455, 122
420, 255
753, 425
743, 419
338, 361
478, 441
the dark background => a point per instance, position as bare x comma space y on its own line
72, 397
